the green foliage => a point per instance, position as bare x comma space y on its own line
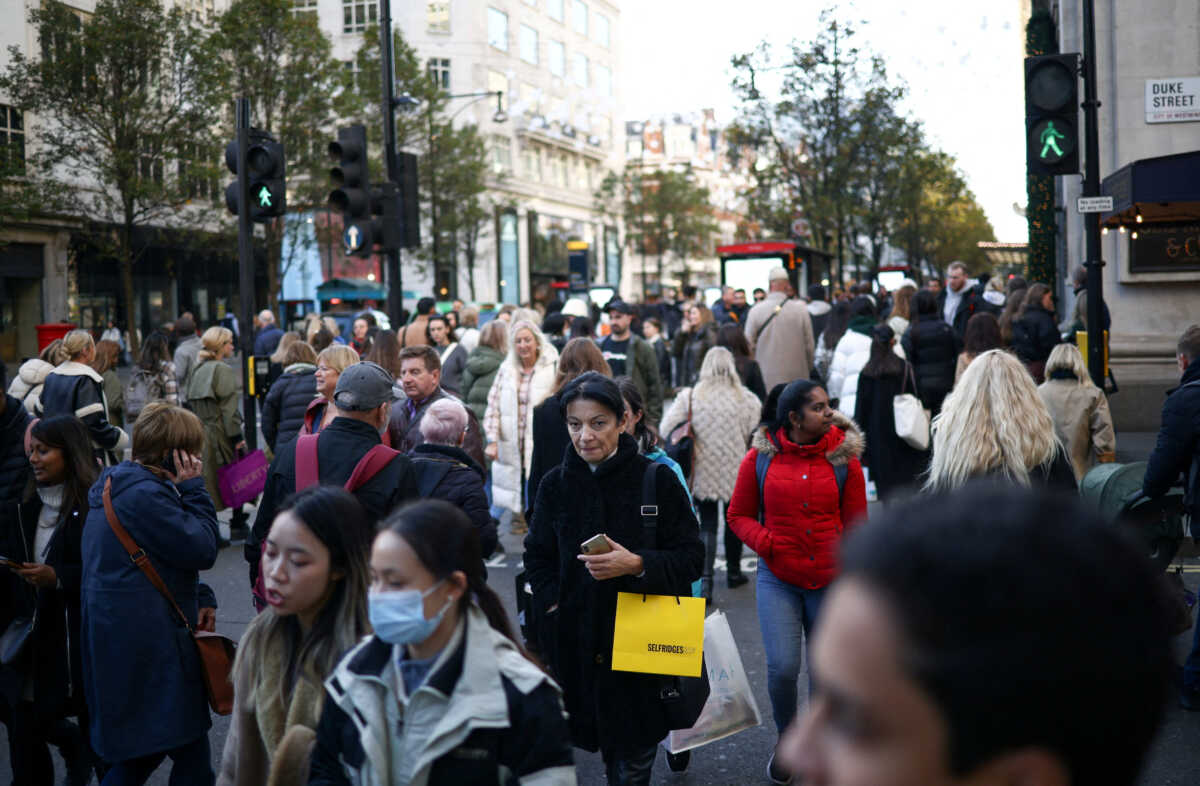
665, 212
834, 146
123, 96
1041, 39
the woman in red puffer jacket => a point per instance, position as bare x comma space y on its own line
813, 490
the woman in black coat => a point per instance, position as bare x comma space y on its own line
289, 396
932, 348
598, 489
1035, 332
696, 336
550, 438
44, 685
894, 464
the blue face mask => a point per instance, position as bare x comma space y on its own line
398, 616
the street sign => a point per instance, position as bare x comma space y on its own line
1100, 204
1173, 100
352, 237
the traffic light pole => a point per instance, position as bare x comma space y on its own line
245, 274
395, 301
1091, 187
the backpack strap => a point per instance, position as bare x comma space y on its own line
761, 462
840, 473
369, 466
650, 505
307, 472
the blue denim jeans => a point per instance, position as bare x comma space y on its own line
786, 615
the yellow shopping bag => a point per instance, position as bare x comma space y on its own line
658, 634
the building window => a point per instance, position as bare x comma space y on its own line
501, 153
531, 164
602, 76
194, 184
556, 57
602, 30
437, 17
150, 162
579, 17
304, 7
498, 29
529, 44
439, 71
555, 9
12, 140
358, 14
581, 69
353, 72
558, 170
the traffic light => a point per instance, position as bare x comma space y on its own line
351, 193
1052, 114
266, 168
409, 207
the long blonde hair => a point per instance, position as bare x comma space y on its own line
718, 375
213, 339
1067, 357
992, 423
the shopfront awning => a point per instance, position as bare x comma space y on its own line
1163, 189
350, 289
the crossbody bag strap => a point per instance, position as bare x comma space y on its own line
650, 505
137, 554
767, 321
369, 466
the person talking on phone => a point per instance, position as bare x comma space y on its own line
595, 496
41, 555
141, 676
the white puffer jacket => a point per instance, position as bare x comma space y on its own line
849, 357
500, 420
28, 384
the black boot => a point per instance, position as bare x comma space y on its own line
706, 576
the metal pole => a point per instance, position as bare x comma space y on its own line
395, 301
246, 275
1091, 187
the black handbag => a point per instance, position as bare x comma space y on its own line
681, 442
682, 698
16, 638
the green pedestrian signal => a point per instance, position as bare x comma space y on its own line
1050, 137
264, 197
1052, 114
1050, 143
266, 169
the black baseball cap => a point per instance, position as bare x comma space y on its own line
362, 387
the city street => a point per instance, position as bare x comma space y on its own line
740, 759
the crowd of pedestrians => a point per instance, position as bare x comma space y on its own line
664, 434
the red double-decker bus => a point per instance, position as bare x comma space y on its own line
746, 265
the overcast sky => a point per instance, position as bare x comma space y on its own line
961, 62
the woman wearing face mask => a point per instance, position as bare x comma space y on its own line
46, 546
315, 574
441, 693
597, 489
812, 491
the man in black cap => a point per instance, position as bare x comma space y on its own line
363, 398
630, 355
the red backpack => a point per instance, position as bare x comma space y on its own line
307, 475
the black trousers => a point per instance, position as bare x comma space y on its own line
630, 767
708, 531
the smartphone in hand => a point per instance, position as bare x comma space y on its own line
597, 544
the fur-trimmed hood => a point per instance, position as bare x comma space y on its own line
843, 441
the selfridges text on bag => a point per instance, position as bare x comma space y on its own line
730, 707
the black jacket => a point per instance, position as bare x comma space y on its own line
609, 709
1035, 334
550, 442
690, 348
972, 302
932, 348
452, 369
52, 661
1058, 475
287, 401
1178, 441
340, 446
14, 466
405, 430
76, 389
448, 473
893, 462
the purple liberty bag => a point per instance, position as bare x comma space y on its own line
243, 480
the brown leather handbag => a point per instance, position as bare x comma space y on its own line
216, 651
